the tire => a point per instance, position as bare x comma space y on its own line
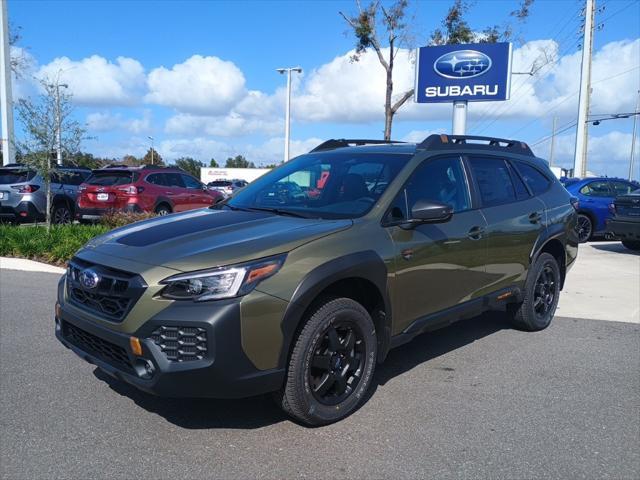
542, 291
331, 364
632, 244
61, 214
584, 228
163, 209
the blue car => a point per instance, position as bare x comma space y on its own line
595, 195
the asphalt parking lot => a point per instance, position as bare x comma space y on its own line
475, 400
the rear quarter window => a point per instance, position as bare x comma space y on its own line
534, 178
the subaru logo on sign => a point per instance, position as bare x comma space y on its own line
462, 64
89, 279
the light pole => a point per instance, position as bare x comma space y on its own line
59, 123
6, 102
151, 138
633, 138
287, 120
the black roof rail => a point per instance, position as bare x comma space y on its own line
347, 142
441, 141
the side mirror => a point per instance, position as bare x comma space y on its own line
427, 211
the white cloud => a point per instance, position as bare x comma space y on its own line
232, 124
201, 85
97, 81
106, 121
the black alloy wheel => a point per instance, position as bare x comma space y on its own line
336, 365
584, 228
61, 215
544, 292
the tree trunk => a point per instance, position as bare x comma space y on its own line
388, 111
47, 186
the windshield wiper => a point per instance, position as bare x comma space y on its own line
277, 211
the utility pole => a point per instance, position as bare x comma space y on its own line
59, 123
287, 120
633, 137
151, 138
6, 100
582, 129
553, 140
459, 126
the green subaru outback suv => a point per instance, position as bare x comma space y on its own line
303, 281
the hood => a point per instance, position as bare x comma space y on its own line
207, 238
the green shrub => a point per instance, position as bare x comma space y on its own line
120, 219
55, 247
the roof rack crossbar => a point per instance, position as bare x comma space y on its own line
346, 142
491, 143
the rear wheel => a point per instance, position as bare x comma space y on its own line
331, 364
163, 209
61, 214
631, 244
584, 227
542, 291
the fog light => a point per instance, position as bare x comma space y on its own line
136, 346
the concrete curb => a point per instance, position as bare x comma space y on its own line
8, 263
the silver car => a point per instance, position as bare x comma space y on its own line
23, 197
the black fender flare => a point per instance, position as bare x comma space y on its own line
552, 232
367, 265
166, 200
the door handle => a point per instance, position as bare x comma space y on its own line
535, 217
475, 233
169, 193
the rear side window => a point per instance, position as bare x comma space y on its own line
10, 175
599, 188
107, 178
174, 180
493, 180
157, 179
534, 178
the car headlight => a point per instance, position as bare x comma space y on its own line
218, 283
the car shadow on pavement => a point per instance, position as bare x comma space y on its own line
613, 247
261, 411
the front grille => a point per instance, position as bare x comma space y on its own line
114, 295
181, 344
96, 346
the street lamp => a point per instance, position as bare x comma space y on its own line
151, 138
287, 120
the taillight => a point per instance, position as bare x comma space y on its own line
575, 203
131, 190
81, 188
25, 188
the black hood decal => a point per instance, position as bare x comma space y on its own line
185, 226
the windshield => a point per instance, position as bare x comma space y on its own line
112, 178
10, 175
327, 185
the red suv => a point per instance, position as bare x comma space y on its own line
162, 190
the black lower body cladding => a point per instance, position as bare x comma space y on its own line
220, 369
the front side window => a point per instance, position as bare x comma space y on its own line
622, 188
323, 185
191, 182
493, 180
599, 188
439, 180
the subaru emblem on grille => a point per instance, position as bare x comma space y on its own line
89, 278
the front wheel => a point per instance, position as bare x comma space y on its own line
631, 244
331, 365
542, 291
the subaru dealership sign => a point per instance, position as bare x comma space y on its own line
471, 72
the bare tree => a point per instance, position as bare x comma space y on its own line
365, 25
375, 17
41, 117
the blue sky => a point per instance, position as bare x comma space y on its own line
132, 70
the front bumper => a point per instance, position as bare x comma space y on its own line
223, 371
625, 230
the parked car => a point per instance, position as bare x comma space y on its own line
23, 197
162, 190
227, 187
625, 223
303, 296
594, 196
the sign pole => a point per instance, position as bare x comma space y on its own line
459, 126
